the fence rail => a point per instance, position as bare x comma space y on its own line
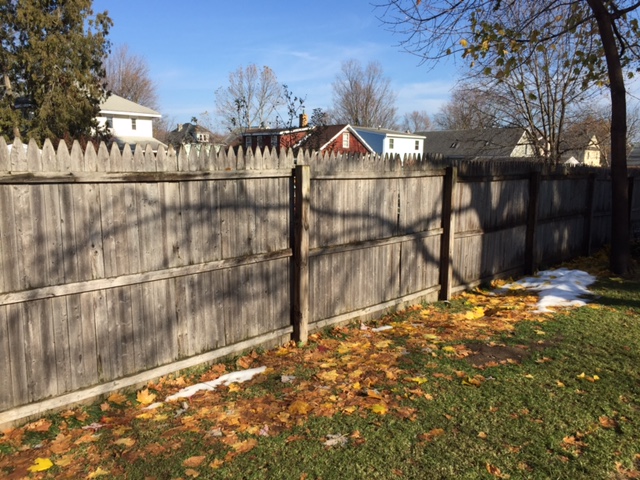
118, 267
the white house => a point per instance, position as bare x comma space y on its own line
128, 122
392, 142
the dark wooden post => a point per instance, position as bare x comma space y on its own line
300, 290
530, 264
588, 221
446, 242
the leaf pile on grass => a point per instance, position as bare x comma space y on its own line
482, 386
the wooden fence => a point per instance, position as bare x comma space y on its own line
118, 267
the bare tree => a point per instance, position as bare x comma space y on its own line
128, 75
469, 108
251, 98
416, 121
363, 96
475, 29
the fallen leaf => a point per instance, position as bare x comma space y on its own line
217, 463
431, 435
117, 398
145, 397
194, 462
606, 422
64, 461
379, 408
482, 435
245, 446
40, 465
299, 408
125, 442
41, 425
99, 472
192, 473
418, 380
330, 376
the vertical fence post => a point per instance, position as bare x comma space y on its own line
300, 290
588, 221
446, 242
532, 222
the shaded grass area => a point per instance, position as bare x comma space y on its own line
481, 387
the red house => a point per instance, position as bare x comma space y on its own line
329, 138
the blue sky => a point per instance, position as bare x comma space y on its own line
191, 46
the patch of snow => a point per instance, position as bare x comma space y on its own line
556, 288
233, 377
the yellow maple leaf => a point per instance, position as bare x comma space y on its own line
418, 380
330, 376
117, 398
379, 408
125, 442
449, 349
234, 387
194, 462
299, 408
217, 463
245, 446
99, 472
145, 397
464, 43
40, 465
475, 313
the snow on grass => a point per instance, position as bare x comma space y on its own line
556, 288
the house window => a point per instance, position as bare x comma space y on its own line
247, 142
417, 146
391, 142
345, 140
133, 124
260, 142
274, 140
109, 123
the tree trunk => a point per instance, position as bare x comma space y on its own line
620, 229
9, 90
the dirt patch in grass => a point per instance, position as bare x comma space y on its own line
485, 355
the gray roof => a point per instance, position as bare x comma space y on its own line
118, 105
388, 132
482, 142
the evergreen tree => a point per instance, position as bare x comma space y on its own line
52, 67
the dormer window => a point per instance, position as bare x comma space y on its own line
454, 144
133, 124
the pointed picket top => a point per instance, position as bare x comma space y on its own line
103, 164
64, 158
18, 157
241, 163
34, 163
231, 160
128, 164
150, 159
115, 159
77, 157
48, 157
4, 155
183, 159
90, 159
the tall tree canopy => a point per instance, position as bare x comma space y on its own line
487, 31
51, 62
363, 96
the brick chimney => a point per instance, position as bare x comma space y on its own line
304, 120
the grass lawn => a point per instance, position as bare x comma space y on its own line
479, 387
